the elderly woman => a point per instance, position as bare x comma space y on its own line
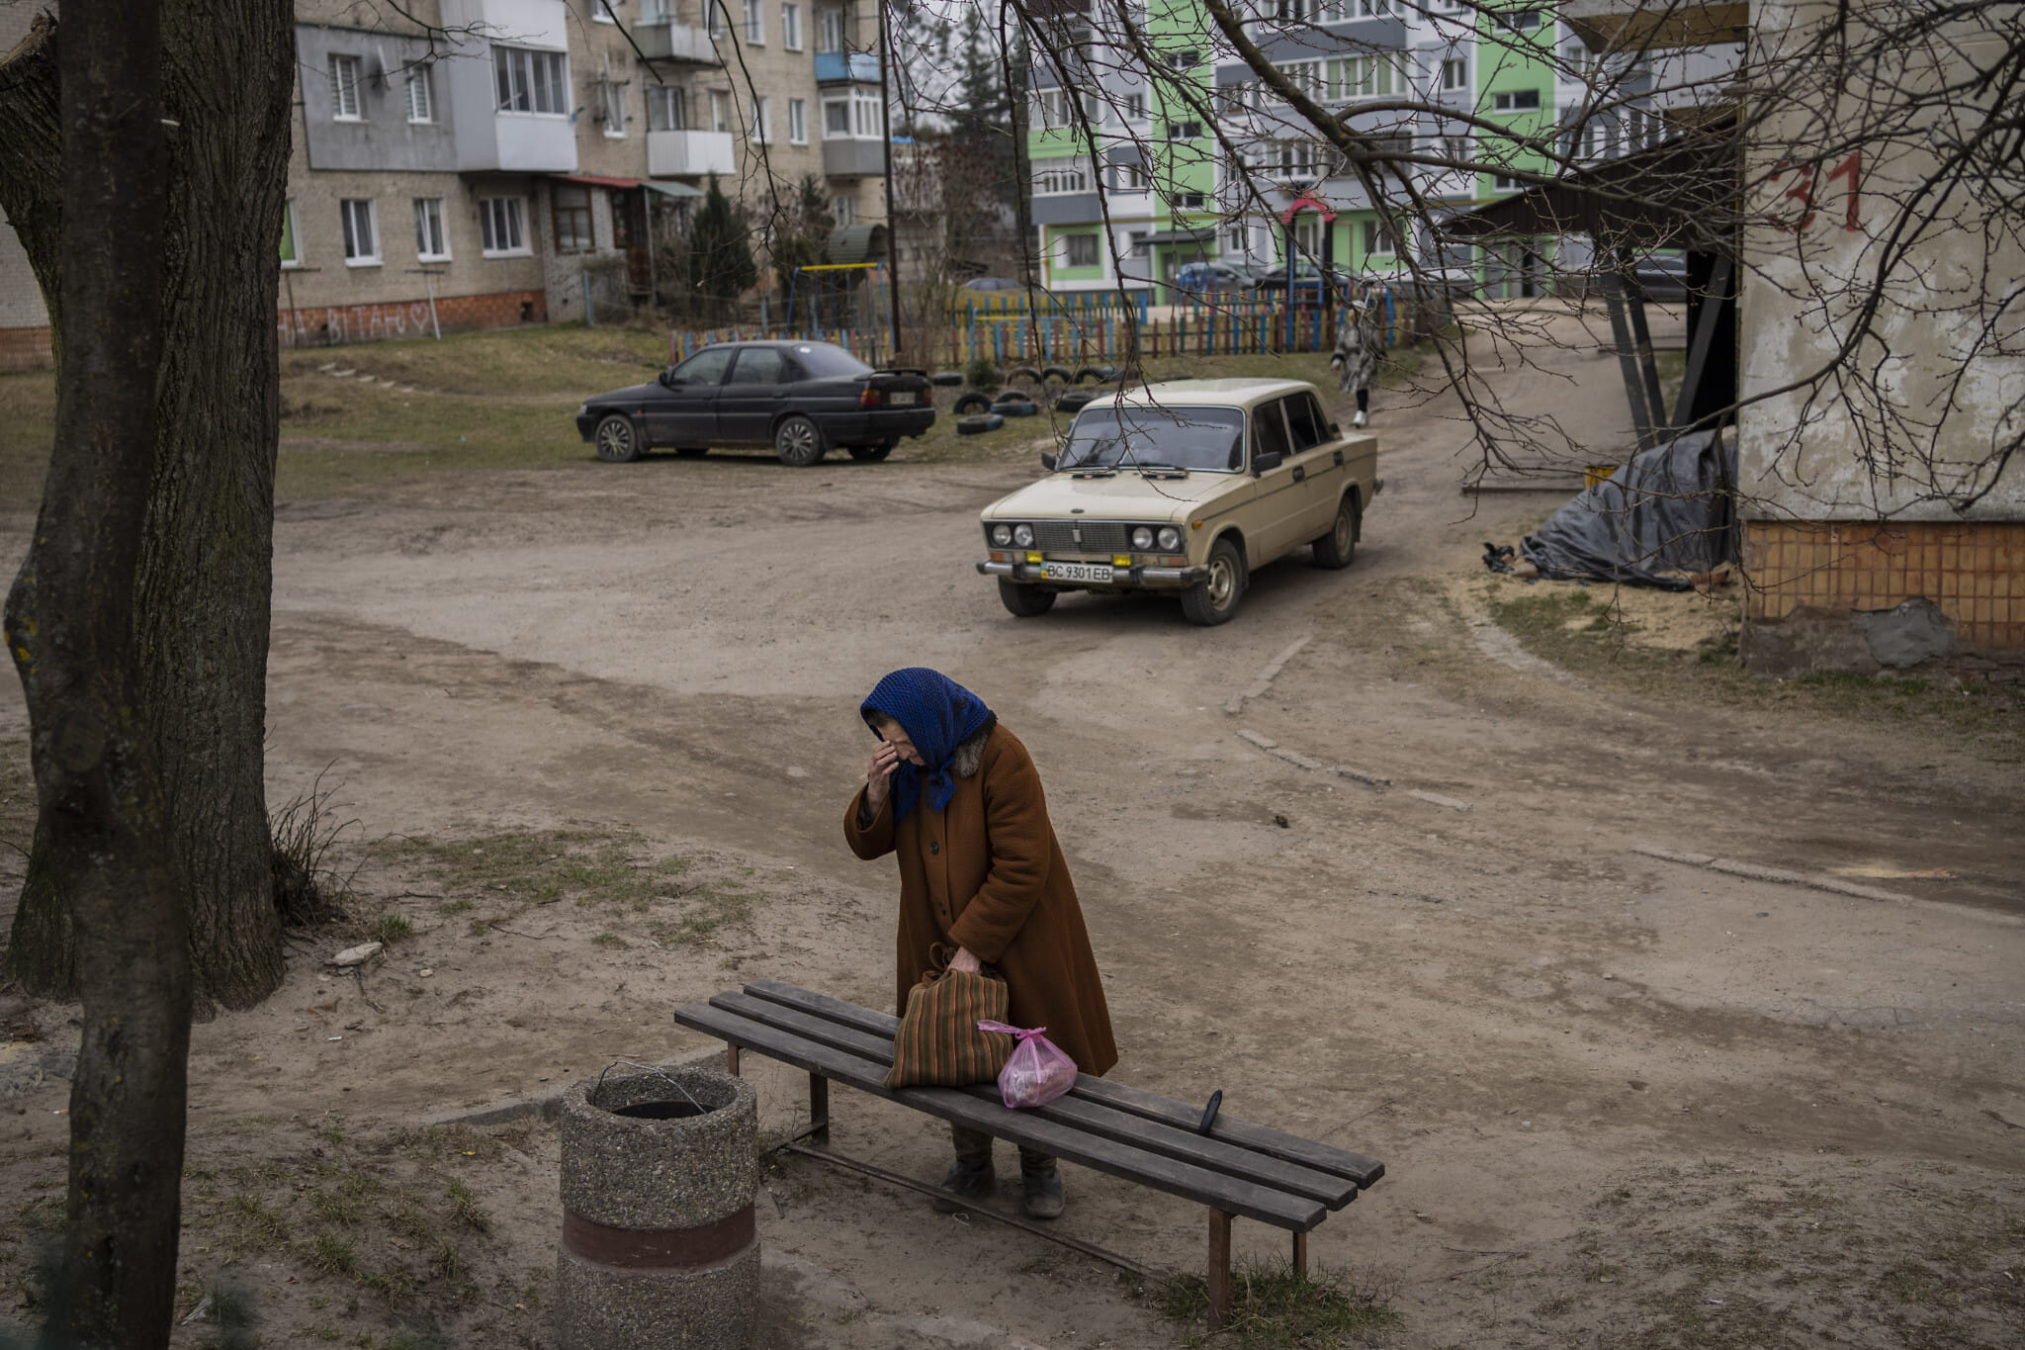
956, 797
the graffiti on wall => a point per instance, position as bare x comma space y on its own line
353, 323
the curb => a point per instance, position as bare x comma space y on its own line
1780, 875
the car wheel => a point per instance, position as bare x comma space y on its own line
693, 451
1024, 602
1338, 548
971, 426
617, 440
871, 454
972, 402
799, 442
1215, 598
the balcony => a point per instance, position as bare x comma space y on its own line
847, 68
1626, 25
676, 42
688, 154
854, 159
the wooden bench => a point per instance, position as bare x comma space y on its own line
1236, 1169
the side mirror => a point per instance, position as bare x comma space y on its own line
1048, 460
667, 379
1265, 461
1335, 430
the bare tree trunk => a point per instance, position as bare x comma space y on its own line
70, 625
205, 581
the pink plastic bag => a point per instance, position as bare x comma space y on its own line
1038, 1071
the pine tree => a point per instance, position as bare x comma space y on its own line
720, 254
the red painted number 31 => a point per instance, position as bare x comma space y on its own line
1807, 189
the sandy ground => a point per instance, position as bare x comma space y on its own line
1621, 1101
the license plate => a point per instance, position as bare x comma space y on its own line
901, 398
1063, 571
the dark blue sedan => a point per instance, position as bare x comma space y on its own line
800, 398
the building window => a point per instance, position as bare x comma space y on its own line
1079, 250
601, 12
829, 30
1239, 239
762, 119
1380, 239
667, 108
1188, 58
1059, 178
1523, 20
1135, 107
755, 22
344, 89
431, 243
657, 11
798, 121
1184, 131
572, 218
844, 210
1190, 201
1457, 148
291, 238
836, 119
500, 226
791, 27
1372, 9
362, 233
713, 18
720, 110
421, 99
1516, 100
1129, 178
1455, 73
866, 115
612, 107
1504, 182
530, 81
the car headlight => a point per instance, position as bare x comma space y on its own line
1001, 535
583, 410
1142, 538
1023, 535
1170, 539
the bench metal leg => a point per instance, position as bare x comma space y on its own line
1301, 1255
731, 1060
1219, 1269
819, 1109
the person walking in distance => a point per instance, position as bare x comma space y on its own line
1358, 342
955, 796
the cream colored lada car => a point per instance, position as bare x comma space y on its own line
1187, 486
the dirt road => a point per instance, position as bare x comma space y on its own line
1623, 1101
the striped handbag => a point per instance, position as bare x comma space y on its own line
938, 1043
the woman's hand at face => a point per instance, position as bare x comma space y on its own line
879, 774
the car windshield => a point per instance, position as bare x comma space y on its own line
826, 362
1138, 436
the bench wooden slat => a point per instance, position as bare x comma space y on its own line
1094, 1117
1357, 1167
1104, 1155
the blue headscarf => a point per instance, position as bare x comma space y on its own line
938, 715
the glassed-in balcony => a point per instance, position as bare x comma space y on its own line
847, 68
854, 158
684, 154
676, 42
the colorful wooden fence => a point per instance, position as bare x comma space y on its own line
1091, 332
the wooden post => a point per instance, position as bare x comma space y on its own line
819, 1109
1219, 1269
1301, 1255
731, 1060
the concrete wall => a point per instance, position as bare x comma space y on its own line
1866, 489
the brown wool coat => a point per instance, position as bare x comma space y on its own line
987, 874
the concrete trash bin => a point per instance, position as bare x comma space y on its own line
659, 1247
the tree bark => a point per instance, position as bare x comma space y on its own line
70, 627
205, 581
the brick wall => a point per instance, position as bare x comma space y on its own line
25, 349
330, 325
1975, 573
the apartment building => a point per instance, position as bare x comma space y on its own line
1207, 162
466, 164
